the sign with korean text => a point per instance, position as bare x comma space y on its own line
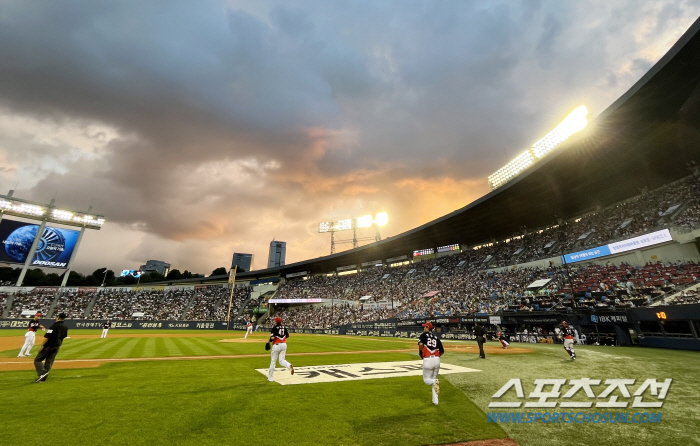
353, 372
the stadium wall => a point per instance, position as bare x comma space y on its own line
80, 324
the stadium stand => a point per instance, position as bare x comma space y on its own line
74, 303
468, 282
31, 301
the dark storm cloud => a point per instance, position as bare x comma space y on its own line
229, 123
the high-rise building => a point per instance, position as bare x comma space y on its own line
157, 266
243, 261
278, 251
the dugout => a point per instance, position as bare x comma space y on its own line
675, 326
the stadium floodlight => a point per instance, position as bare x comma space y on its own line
22, 208
575, 122
364, 221
381, 219
344, 225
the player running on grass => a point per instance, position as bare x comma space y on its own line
430, 349
569, 339
278, 338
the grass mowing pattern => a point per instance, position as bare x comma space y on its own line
149, 347
225, 401
680, 421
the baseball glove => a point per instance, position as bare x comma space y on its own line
267, 346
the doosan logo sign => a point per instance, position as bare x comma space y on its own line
52, 248
52, 264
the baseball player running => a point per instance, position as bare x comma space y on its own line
502, 338
105, 328
278, 338
430, 349
30, 336
248, 327
569, 338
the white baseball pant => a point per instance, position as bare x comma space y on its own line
569, 347
104, 332
248, 331
431, 368
277, 352
29, 338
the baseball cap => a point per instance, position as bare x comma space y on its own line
278, 320
429, 325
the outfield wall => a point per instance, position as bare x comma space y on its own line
673, 326
79, 324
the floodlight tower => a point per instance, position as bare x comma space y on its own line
345, 225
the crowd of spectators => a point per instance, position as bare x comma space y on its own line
74, 303
202, 303
689, 296
211, 303
440, 287
326, 316
676, 204
444, 286
141, 304
39, 300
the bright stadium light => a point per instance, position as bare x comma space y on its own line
575, 122
21, 208
364, 221
381, 219
344, 225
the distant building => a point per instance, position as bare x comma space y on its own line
244, 262
157, 266
278, 251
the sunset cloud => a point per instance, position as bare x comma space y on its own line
200, 130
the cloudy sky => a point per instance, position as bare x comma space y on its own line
203, 128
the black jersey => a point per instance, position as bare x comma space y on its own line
568, 332
107, 325
279, 334
432, 346
55, 334
33, 325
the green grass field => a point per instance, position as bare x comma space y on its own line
226, 401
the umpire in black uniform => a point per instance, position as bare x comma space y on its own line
480, 339
54, 339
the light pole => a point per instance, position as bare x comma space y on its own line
104, 278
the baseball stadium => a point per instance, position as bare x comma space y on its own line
563, 307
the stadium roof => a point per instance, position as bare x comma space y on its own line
644, 139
